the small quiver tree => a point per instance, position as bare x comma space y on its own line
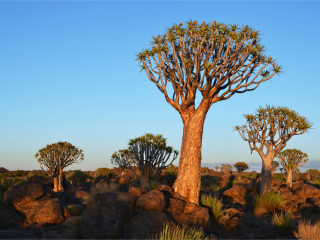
291, 159
226, 168
149, 154
267, 132
211, 60
241, 166
55, 157
274, 166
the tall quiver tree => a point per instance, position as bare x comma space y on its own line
55, 157
267, 132
291, 159
212, 59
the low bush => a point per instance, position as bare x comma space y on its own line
214, 204
75, 209
171, 170
102, 172
282, 222
279, 177
307, 230
316, 181
270, 201
210, 183
154, 183
181, 233
78, 176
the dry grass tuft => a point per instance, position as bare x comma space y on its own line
307, 230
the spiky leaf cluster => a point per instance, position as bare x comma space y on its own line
58, 156
216, 59
148, 151
270, 128
290, 159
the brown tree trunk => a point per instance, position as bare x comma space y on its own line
60, 186
266, 174
55, 183
188, 182
145, 177
289, 178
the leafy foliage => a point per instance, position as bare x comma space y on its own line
282, 222
314, 173
78, 176
215, 205
241, 166
102, 172
292, 159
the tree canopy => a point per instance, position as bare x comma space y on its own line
292, 159
241, 166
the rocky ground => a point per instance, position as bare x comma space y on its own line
115, 207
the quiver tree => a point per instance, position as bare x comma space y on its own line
267, 132
55, 157
274, 166
226, 168
213, 60
241, 166
291, 159
149, 154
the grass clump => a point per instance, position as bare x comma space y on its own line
270, 202
154, 184
75, 209
282, 222
181, 233
214, 204
307, 230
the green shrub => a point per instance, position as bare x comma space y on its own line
102, 172
270, 201
307, 230
214, 204
181, 233
279, 177
210, 183
316, 181
282, 222
249, 175
314, 173
78, 176
154, 184
171, 170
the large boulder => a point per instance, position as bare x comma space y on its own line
153, 200
146, 225
26, 192
42, 211
307, 191
107, 214
137, 191
186, 213
237, 193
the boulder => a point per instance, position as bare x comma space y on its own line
8, 217
186, 213
237, 193
165, 188
307, 191
20, 195
153, 200
146, 225
42, 211
136, 191
107, 214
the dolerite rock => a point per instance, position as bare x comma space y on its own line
186, 213
42, 211
147, 225
165, 188
26, 192
153, 200
237, 193
137, 191
107, 214
307, 191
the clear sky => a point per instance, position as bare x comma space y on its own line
68, 73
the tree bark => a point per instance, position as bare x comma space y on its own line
55, 183
60, 186
266, 174
188, 182
145, 177
289, 178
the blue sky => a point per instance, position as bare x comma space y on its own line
68, 73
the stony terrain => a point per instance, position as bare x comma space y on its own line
114, 206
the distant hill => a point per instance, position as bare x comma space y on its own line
3, 169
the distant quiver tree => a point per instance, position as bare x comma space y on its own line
267, 132
213, 60
148, 153
291, 159
241, 166
55, 157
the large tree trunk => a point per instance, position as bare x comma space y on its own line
266, 174
188, 182
60, 186
55, 183
289, 177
